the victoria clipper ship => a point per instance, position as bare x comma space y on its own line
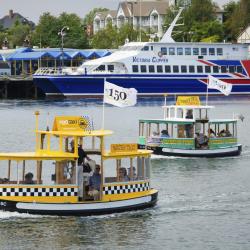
154, 68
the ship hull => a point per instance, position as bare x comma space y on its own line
146, 85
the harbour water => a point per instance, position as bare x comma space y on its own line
203, 203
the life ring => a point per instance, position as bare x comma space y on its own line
159, 54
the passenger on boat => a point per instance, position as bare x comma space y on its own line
211, 133
164, 133
132, 176
81, 159
223, 133
201, 141
28, 178
95, 183
189, 127
123, 174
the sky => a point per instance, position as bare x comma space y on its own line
32, 9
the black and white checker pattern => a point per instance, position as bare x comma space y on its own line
38, 192
125, 189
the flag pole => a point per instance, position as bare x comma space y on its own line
103, 104
207, 91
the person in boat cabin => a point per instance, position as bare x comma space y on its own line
201, 140
211, 133
95, 183
164, 133
28, 178
132, 176
81, 160
123, 176
189, 127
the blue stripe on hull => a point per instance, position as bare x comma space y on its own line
46, 86
94, 85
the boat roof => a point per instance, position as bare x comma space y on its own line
39, 155
139, 152
175, 120
188, 106
222, 120
77, 132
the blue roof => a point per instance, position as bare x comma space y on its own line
26, 56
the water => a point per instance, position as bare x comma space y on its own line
203, 203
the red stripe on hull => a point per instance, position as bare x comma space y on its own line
232, 81
246, 64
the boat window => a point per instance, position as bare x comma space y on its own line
167, 69
152, 48
111, 68
164, 51
223, 69
180, 51
219, 51
231, 69
151, 68
207, 69
171, 51
101, 68
159, 69
199, 69
239, 69
143, 69
176, 69
145, 48
215, 69
195, 51
183, 68
191, 69
135, 68
203, 51
187, 51
211, 51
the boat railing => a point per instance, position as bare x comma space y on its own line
55, 70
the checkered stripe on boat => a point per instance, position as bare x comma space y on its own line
42, 192
125, 189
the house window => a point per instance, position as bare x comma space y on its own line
143, 69
195, 51
183, 69
199, 69
188, 51
219, 51
176, 69
191, 69
167, 69
164, 51
211, 51
180, 51
207, 69
215, 69
171, 51
151, 68
159, 69
135, 68
203, 51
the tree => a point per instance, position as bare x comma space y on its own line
49, 26
18, 33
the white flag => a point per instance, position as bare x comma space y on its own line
224, 87
118, 96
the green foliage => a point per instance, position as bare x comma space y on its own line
17, 34
49, 26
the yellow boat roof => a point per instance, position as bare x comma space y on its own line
40, 155
77, 132
139, 152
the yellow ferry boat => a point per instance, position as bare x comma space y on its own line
123, 178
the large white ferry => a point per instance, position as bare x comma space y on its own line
154, 68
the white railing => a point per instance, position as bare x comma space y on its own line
55, 71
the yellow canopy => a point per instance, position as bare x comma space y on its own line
139, 152
78, 133
38, 156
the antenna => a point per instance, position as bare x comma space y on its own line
167, 38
